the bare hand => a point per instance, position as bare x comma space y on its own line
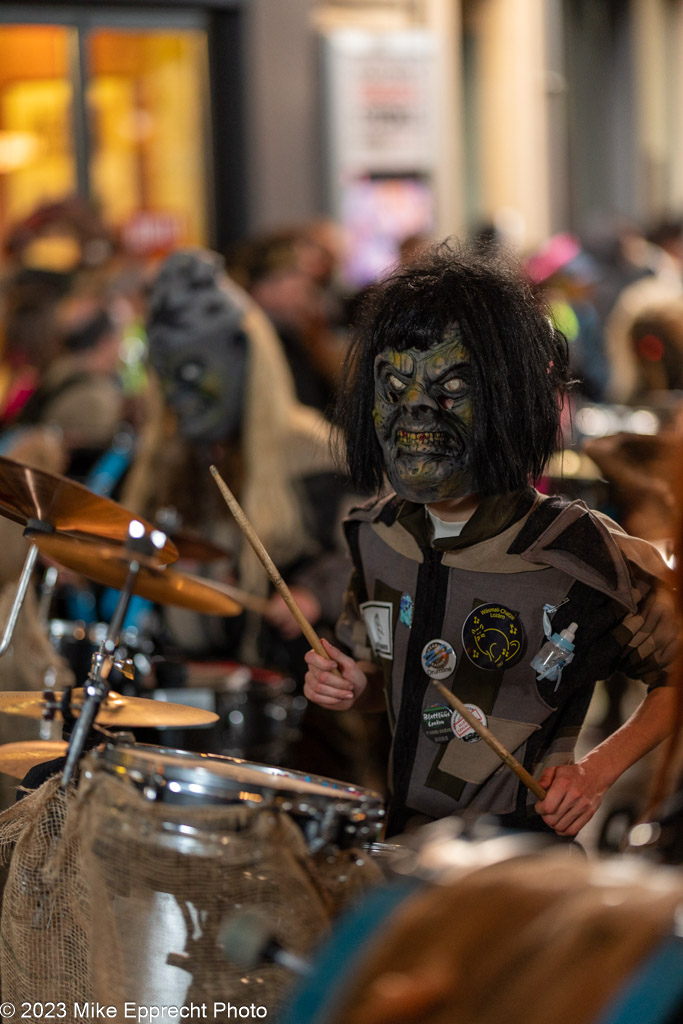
337, 690
573, 796
279, 615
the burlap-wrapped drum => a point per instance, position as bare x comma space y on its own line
118, 892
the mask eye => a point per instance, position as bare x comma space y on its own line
453, 385
395, 384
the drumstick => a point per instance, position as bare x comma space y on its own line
488, 737
268, 564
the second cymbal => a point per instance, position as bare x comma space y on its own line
116, 711
109, 564
16, 759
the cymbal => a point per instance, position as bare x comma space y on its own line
27, 493
109, 564
192, 546
115, 710
16, 759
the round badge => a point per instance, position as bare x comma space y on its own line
436, 723
438, 659
462, 730
493, 637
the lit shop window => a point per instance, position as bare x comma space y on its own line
37, 160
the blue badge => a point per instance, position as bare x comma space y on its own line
405, 612
493, 637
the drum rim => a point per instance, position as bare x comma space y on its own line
194, 769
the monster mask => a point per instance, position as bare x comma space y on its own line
198, 347
423, 417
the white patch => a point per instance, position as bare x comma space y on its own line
377, 618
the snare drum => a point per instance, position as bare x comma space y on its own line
175, 843
332, 815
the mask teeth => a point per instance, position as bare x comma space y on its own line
423, 437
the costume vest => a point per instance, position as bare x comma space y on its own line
487, 602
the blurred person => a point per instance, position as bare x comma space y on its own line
453, 391
656, 336
44, 255
223, 394
227, 397
516, 935
286, 273
660, 282
567, 275
29, 299
80, 391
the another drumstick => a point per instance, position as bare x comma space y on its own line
268, 564
488, 737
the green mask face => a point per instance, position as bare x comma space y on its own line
423, 417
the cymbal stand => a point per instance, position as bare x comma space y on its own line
97, 685
35, 526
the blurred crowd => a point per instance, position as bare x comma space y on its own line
132, 375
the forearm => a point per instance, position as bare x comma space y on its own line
649, 724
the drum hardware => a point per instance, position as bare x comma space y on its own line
247, 939
131, 569
140, 544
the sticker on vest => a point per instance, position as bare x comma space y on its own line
377, 619
493, 637
436, 723
438, 659
462, 730
405, 610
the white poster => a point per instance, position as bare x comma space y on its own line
382, 101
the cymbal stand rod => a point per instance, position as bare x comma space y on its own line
24, 581
47, 590
97, 683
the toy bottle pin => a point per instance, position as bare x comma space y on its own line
556, 652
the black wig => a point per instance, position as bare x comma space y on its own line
519, 361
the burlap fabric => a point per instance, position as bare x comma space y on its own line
112, 898
345, 875
164, 878
45, 906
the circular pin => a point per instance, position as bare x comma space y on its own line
493, 637
462, 730
436, 723
438, 659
